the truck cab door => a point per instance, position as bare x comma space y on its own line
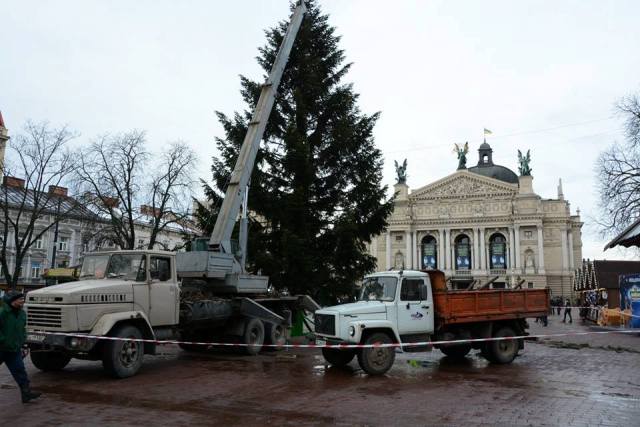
163, 291
415, 307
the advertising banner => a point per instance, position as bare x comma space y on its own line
630, 296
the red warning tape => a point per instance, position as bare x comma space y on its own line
340, 346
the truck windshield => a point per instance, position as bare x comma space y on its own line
379, 289
123, 266
94, 267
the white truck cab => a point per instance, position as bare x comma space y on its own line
393, 307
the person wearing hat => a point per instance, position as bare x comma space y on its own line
13, 322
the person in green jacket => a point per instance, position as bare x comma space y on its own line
12, 337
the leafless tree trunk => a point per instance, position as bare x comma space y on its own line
131, 189
41, 158
618, 170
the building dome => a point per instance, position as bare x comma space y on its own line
486, 167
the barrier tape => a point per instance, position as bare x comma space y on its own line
339, 346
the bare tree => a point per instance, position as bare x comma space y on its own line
618, 171
130, 188
37, 163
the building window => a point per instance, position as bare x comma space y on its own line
528, 235
530, 285
497, 251
399, 238
38, 244
463, 252
140, 243
63, 244
35, 270
429, 253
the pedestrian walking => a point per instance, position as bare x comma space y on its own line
12, 337
567, 311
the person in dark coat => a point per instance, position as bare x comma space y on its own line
13, 321
567, 311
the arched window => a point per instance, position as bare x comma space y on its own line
429, 253
463, 252
497, 251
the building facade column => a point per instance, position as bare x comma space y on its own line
447, 249
388, 251
516, 232
563, 240
416, 254
441, 250
475, 258
511, 251
483, 251
540, 250
408, 259
570, 237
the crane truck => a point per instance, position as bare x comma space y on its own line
200, 295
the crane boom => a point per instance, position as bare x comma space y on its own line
220, 240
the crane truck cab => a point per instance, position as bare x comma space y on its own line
120, 294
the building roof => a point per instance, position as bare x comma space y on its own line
487, 168
25, 198
497, 172
630, 236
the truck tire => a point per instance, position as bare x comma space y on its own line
377, 361
122, 359
338, 357
503, 352
49, 360
485, 352
253, 336
456, 351
275, 335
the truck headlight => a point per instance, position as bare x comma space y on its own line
352, 330
74, 342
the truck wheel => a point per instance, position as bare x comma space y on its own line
122, 359
456, 351
485, 352
275, 335
338, 357
49, 360
377, 361
253, 336
503, 351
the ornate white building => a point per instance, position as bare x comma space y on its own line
480, 224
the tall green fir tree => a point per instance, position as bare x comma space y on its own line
315, 197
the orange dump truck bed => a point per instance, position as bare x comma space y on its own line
453, 307
489, 305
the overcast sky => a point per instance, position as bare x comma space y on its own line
542, 75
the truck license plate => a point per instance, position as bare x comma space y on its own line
321, 342
35, 337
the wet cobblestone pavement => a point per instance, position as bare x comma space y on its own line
570, 381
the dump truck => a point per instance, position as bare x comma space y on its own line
204, 295
409, 307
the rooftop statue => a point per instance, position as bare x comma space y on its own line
462, 154
401, 171
524, 168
